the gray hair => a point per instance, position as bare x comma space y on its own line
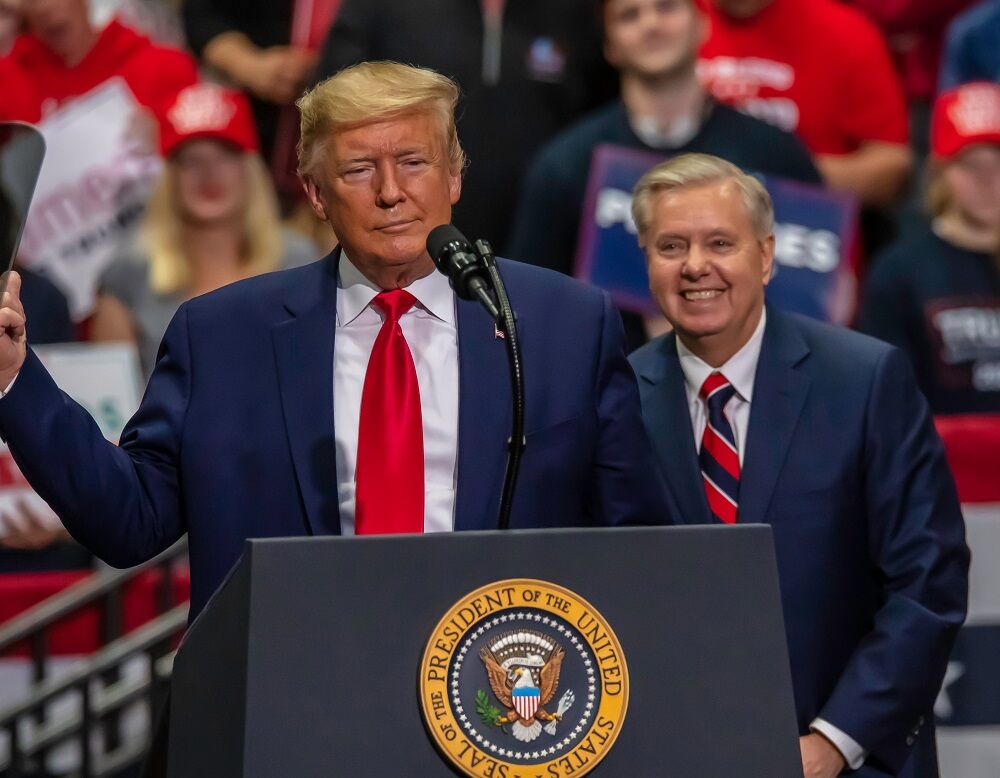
689, 170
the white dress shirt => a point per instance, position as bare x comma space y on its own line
431, 331
740, 370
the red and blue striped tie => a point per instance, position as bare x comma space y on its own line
719, 458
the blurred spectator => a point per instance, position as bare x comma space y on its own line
526, 69
64, 56
212, 220
250, 42
972, 47
936, 293
914, 30
96, 95
159, 19
654, 46
820, 69
10, 24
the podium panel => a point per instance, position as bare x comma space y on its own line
308, 660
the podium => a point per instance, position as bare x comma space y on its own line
321, 656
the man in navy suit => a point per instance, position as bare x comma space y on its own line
761, 416
353, 395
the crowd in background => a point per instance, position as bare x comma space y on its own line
896, 103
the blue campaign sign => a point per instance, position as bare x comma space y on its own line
815, 233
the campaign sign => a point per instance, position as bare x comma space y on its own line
98, 174
106, 380
815, 232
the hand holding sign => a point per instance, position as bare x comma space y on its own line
13, 334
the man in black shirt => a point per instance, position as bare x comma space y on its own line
526, 69
663, 108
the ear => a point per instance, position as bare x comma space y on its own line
454, 186
767, 258
314, 196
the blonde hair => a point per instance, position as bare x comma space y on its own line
374, 91
689, 170
938, 197
160, 232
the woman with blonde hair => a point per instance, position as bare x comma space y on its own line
211, 220
935, 293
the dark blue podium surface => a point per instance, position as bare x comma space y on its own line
306, 661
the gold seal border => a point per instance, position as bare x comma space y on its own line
491, 766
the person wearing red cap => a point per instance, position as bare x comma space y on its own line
936, 292
211, 220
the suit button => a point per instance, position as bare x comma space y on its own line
920, 722
909, 740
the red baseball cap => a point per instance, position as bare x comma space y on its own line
209, 111
965, 115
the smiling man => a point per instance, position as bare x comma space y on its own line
357, 394
821, 433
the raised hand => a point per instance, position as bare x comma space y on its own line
13, 335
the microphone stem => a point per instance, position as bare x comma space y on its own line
516, 443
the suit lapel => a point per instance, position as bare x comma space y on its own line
668, 421
303, 352
779, 395
484, 417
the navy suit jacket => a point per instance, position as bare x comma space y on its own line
843, 461
234, 437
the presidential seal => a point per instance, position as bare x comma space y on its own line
523, 679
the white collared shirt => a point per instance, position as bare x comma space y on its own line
431, 331
741, 370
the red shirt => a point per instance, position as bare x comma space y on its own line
814, 67
41, 82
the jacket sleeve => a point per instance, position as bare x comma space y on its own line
121, 502
916, 540
628, 487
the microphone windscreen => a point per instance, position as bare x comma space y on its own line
440, 237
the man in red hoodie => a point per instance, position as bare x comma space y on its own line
63, 56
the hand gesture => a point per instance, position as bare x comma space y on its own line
13, 336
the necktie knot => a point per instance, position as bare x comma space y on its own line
716, 392
394, 303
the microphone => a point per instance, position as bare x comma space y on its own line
454, 256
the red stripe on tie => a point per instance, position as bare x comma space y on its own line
712, 384
718, 503
721, 451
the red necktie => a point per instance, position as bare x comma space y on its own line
390, 470
719, 459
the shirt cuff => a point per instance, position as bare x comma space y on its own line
6, 391
849, 748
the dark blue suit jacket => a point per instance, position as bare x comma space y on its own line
843, 461
234, 438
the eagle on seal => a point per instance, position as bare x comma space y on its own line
514, 684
